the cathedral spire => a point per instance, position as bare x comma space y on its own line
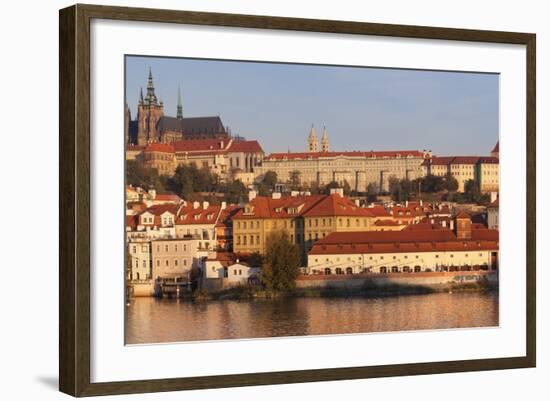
141, 95
179, 115
324, 141
312, 143
151, 97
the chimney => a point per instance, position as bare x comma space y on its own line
452, 224
444, 224
224, 205
221, 144
196, 205
205, 205
406, 203
276, 195
421, 203
357, 203
251, 195
294, 193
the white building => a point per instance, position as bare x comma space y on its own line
140, 261
418, 248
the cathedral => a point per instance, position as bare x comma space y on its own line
151, 125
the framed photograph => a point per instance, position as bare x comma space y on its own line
250, 200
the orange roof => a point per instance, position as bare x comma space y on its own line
167, 197
158, 210
427, 240
246, 147
197, 145
226, 215
201, 147
495, 149
159, 147
287, 206
189, 215
362, 154
335, 205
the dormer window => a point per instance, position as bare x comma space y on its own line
197, 216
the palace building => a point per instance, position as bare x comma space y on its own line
358, 168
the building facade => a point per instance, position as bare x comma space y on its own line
173, 258
422, 248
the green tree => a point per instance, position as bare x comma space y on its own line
372, 192
267, 185
281, 264
255, 259
147, 178
295, 180
451, 184
333, 184
236, 192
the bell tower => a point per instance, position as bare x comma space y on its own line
150, 110
312, 143
324, 141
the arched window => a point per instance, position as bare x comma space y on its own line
383, 269
327, 270
339, 270
349, 270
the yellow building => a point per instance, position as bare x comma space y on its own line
305, 219
484, 171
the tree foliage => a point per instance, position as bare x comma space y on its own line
147, 178
267, 184
281, 264
295, 180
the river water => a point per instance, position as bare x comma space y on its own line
151, 320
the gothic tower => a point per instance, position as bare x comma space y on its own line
150, 110
127, 118
312, 143
324, 141
179, 114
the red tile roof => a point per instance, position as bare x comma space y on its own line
198, 145
362, 154
159, 147
285, 207
226, 216
204, 147
246, 147
189, 215
335, 205
167, 197
158, 210
428, 240
496, 148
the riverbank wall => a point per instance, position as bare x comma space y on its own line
431, 280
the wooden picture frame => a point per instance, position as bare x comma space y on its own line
74, 203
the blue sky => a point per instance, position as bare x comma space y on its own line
451, 113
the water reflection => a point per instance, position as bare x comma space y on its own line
150, 320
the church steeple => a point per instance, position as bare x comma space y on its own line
140, 95
312, 143
151, 97
324, 141
179, 114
